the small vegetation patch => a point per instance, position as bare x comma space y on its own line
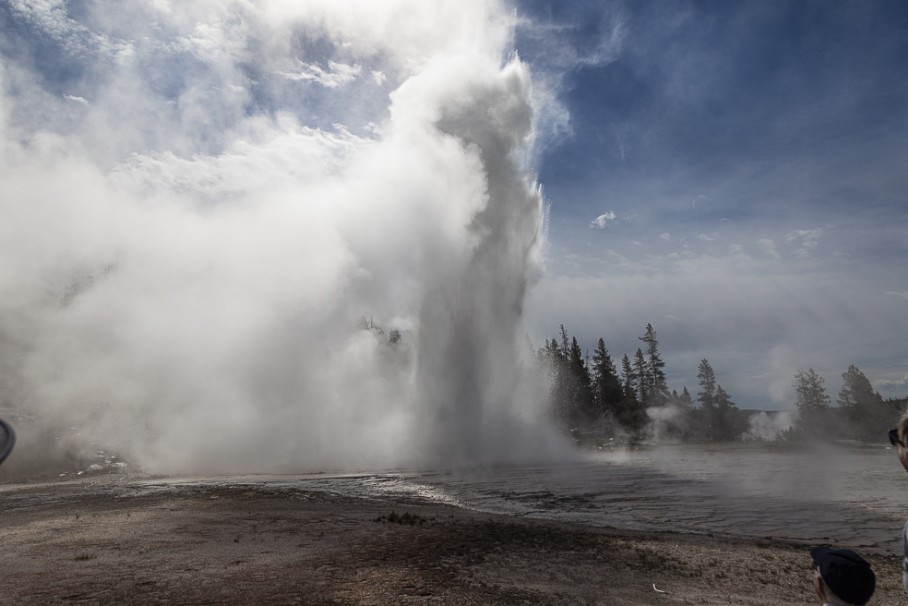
84, 557
406, 518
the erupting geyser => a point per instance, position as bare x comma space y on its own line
204, 201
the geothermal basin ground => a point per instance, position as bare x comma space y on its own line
680, 525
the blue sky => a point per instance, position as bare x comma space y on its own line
747, 163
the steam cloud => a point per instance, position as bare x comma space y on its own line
202, 201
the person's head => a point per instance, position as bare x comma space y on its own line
843, 578
899, 438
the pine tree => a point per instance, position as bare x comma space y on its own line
856, 389
811, 392
720, 417
565, 347
629, 377
729, 423
641, 388
657, 387
864, 409
707, 378
630, 413
812, 400
685, 398
554, 364
581, 393
571, 394
607, 389
687, 416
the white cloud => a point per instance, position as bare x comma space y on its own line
665, 236
50, 16
802, 234
603, 220
556, 53
708, 237
902, 295
336, 75
893, 384
807, 240
76, 99
768, 247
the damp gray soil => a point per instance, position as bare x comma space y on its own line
668, 526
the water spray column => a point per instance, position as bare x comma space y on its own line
472, 405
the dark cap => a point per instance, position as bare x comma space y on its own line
846, 573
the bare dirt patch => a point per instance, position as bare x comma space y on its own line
73, 542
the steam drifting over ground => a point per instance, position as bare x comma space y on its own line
202, 202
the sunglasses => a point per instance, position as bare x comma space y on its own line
894, 438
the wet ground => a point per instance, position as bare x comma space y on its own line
855, 496
846, 496
680, 525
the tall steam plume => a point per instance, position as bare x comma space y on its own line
270, 235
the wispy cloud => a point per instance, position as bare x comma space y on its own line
558, 48
603, 220
50, 16
336, 75
806, 240
893, 387
768, 247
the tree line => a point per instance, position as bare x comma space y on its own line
597, 398
860, 413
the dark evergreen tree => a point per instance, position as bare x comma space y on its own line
811, 391
641, 386
856, 389
706, 415
729, 422
571, 394
866, 414
629, 411
657, 387
720, 418
607, 389
723, 399
707, 378
554, 364
687, 417
581, 392
628, 377
685, 398
812, 402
